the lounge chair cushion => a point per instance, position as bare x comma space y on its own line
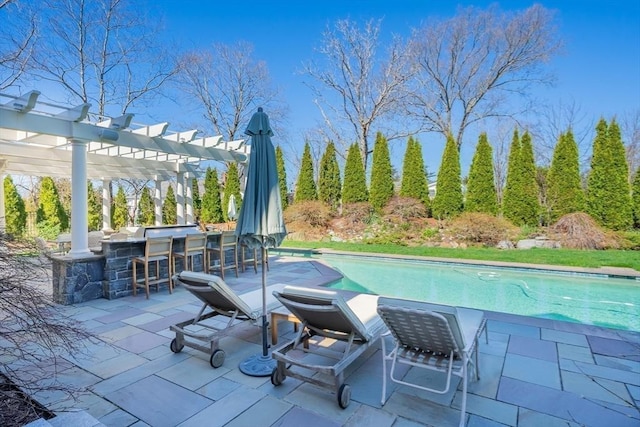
464, 322
359, 311
249, 303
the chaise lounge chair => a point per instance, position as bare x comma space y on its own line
221, 300
431, 336
325, 314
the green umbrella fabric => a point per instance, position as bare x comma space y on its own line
260, 223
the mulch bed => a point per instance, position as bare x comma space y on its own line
18, 409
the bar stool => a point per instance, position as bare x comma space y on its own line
245, 258
156, 249
228, 242
194, 244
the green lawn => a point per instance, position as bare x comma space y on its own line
567, 257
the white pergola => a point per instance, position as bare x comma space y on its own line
42, 139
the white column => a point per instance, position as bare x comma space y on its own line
106, 204
3, 215
157, 201
189, 201
79, 220
180, 199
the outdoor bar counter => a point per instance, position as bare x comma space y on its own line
109, 274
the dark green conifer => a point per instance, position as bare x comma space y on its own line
120, 210
636, 198
94, 211
414, 177
195, 196
448, 200
14, 207
306, 186
354, 189
169, 205
146, 208
564, 188
211, 205
50, 210
282, 178
608, 189
520, 203
329, 182
481, 188
381, 190
231, 186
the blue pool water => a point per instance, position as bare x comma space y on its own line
585, 298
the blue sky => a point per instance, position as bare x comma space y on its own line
599, 68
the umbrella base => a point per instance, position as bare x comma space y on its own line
258, 366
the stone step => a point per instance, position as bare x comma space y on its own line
68, 419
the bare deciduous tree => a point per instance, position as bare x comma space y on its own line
357, 88
469, 67
34, 333
229, 85
18, 35
631, 136
102, 52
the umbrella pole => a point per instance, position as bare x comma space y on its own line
261, 365
265, 324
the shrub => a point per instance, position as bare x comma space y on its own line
403, 209
580, 231
482, 228
310, 214
358, 213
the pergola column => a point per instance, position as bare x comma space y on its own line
106, 204
180, 198
79, 220
3, 215
157, 201
189, 199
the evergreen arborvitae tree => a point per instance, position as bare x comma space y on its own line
282, 178
481, 188
94, 218
448, 200
169, 207
14, 207
50, 211
211, 206
608, 190
530, 212
381, 190
636, 198
564, 188
521, 186
120, 210
195, 196
354, 189
146, 208
329, 182
306, 187
231, 186
414, 177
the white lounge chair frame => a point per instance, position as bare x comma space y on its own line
221, 300
326, 314
431, 336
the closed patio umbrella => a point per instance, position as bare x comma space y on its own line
260, 223
232, 214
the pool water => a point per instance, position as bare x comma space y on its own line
584, 298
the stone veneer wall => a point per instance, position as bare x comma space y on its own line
77, 280
108, 275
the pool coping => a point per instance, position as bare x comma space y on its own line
613, 272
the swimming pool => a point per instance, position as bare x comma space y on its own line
585, 298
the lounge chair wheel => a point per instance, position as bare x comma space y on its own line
277, 377
217, 358
174, 346
344, 395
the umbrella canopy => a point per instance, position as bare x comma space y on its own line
231, 209
260, 223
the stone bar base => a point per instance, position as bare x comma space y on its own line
77, 280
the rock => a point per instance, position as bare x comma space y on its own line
505, 244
